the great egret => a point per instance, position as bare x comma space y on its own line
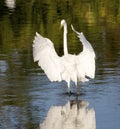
76, 68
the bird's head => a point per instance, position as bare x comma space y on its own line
63, 22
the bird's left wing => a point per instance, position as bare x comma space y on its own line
45, 54
86, 59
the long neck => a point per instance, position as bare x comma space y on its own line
65, 39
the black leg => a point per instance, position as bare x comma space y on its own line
77, 92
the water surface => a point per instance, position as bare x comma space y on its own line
26, 94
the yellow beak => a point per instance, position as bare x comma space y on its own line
60, 27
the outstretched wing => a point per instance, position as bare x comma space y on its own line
45, 54
86, 59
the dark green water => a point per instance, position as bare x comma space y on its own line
26, 94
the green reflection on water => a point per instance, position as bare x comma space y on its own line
92, 17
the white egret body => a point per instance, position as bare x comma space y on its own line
76, 68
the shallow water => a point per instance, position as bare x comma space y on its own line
26, 95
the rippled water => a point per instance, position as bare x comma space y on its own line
26, 94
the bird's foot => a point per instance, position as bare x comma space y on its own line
70, 93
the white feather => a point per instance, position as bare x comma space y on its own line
44, 53
86, 59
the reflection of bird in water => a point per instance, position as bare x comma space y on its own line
69, 67
10, 4
74, 115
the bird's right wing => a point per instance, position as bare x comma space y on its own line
45, 54
86, 59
